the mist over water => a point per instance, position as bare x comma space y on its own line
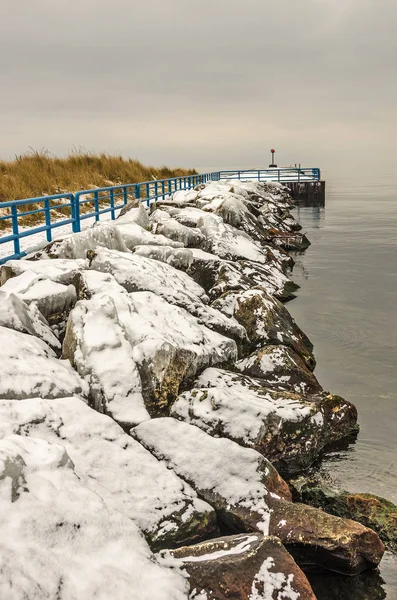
347, 305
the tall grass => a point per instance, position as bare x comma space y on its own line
38, 173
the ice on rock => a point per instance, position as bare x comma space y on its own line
30, 369
180, 258
53, 299
135, 235
139, 273
16, 314
234, 480
61, 540
113, 465
155, 345
58, 270
135, 212
75, 246
166, 225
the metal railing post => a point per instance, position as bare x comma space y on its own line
15, 230
47, 220
76, 202
138, 191
111, 198
96, 205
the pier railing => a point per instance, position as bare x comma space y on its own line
68, 211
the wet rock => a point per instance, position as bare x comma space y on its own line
314, 537
279, 367
237, 482
289, 429
266, 321
241, 567
372, 511
16, 314
29, 368
155, 345
114, 466
54, 300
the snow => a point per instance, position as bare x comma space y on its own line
58, 270
165, 225
60, 539
237, 406
180, 258
266, 582
30, 368
214, 467
109, 463
135, 235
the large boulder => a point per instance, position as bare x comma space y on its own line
236, 481
54, 300
280, 368
242, 567
59, 270
16, 314
29, 368
289, 429
155, 345
164, 224
59, 539
139, 273
180, 258
249, 495
134, 235
113, 465
266, 321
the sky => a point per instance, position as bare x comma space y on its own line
210, 84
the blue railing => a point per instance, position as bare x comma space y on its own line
91, 204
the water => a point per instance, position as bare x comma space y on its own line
347, 305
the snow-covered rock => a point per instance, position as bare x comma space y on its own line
114, 466
134, 212
16, 314
165, 225
266, 321
288, 429
247, 567
235, 481
180, 258
60, 540
59, 270
155, 345
74, 246
279, 367
139, 273
135, 235
54, 300
29, 369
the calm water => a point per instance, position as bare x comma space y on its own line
347, 305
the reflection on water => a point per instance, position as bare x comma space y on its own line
347, 305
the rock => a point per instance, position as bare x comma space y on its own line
134, 235
75, 246
280, 368
372, 511
179, 258
218, 276
162, 223
266, 321
241, 566
113, 465
236, 481
288, 429
59, 270
138, 273
314, 537
368, 585
16, 314
61, 540
30, 369
54, 300
157, 347
134, 212
295, 242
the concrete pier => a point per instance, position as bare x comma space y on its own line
307, 193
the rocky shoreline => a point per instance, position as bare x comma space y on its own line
156, 395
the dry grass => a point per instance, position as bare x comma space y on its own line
38, 174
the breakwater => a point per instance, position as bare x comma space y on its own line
172, 391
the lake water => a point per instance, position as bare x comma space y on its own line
347, 305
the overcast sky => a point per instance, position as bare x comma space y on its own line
203, 83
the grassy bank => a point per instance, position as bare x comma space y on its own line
38, 174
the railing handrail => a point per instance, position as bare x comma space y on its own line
154, 189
